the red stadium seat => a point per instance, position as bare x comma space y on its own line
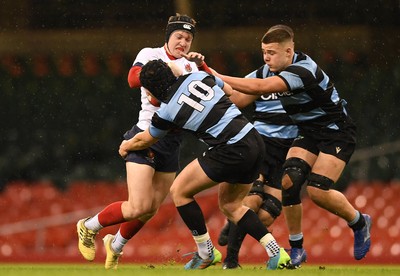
22, 201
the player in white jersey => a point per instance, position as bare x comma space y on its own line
163, 53
150, 172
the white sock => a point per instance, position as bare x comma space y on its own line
118, 243
204, 245
93, 224
296, 237
270, 245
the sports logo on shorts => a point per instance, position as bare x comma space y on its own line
150, 156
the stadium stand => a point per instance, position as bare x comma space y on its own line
38, 224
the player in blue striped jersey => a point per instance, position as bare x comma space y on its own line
197, 103
278, 132
326, 140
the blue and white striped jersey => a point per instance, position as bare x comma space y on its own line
312, 99
198, 104
269, 118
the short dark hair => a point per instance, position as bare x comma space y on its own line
180, 22
278, 33
157, 77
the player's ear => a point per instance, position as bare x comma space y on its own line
289, 51
175, 69
290, 48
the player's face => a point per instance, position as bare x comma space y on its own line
277, 56
179, 41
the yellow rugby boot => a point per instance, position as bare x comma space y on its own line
86, 240
112, 257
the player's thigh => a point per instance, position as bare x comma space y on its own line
140, 182
232, 194
190, 181
298, 152
328, 166
162, 182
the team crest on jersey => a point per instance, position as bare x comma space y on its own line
188, 68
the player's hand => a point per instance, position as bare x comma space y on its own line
123, 149
194, 57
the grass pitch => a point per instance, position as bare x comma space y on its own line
177, 270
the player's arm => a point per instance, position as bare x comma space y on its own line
134, 82
133, 76
141, 140
228, 90
242, 100
255, 86
239, 99
142, 57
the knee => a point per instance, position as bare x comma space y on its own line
272, 206
228, 209
295, 173
139, 210
177, 194
224, 208
317, 187
257, 189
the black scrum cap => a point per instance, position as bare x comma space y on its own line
180, 22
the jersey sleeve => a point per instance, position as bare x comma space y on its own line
133, 76
204, 67
219, 81
144, 56
159, 127
298, 77
252, 75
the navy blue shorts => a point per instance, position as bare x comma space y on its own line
340, 143
163, 156
276, 150
235, 163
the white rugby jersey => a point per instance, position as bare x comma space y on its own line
144, 56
